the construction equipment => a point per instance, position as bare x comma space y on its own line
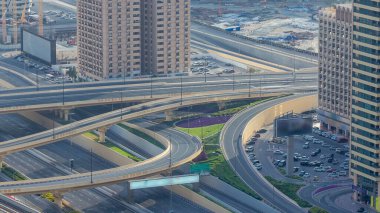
23, 19
4, 20
40, 18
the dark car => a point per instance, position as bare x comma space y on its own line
262, 131
313, 154
305, 163
257, 135
330, 160
361, 209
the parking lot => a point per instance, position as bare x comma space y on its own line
205, 63
316, 157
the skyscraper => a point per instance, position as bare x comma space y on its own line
335, 65
133, 37
365, 119
108, 38
165, 36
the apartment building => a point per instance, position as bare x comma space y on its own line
335, 66
117, 37
165, 36
365, 119
109, 37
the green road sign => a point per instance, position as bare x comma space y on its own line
200, 168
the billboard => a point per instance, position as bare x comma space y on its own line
38, 47
289, 125
164, 181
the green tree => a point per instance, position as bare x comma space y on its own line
72, 73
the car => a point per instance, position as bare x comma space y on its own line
322, 156
318, 169
332, 148
325, 145
276, 162
278, 152
296, 169
335, 162
252, 157
333, 175
330, 170
305, 146
342, 173
313, 154
257, 135
304, 158
346, 167
330, 160
304, 163
250, 147
347, 154
255, 161
248, 150
361, 209
306, 175
316, 141
258, 166
262, 131
282, 163
302, 173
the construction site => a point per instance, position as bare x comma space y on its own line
23, 14
290, 22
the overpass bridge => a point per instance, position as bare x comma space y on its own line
182, 152
68, 96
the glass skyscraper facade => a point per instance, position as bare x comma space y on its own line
365, 117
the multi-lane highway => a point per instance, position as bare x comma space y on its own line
96, 93
230, 140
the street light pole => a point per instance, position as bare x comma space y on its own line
181, 90
91, 166
38, 87
233, 79
151, 84
249, 84
63, 88
171, 174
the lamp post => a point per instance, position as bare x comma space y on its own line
181, 90
249, 84
91, 166
63, 88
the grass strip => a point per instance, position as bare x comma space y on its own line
202, 132
316, 209
94, 137
12, 173
142, 135
290, 190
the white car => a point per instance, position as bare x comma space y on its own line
278, 152
306, 175
342, 173
322, 156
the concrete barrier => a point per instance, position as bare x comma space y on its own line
267, 116
81, 140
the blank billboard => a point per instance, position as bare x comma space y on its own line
163, 181
288, 126
38, 47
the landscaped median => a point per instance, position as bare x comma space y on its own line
208, 128
290, 190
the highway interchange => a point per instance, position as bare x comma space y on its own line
290, 59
